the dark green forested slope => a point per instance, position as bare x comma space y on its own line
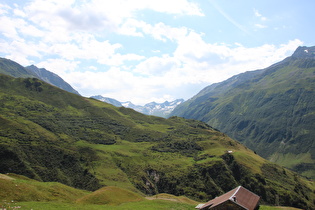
272, 111
51, 135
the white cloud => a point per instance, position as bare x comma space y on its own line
157, 65
130, 27
160, 30
94, 68
20, 50
164, 76
257, 14
257, 25
61, 67
19, 12
66, 27
262, 20
100, 15
4, 9
172, 7
194, 49
8, 27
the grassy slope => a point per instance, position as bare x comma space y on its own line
19, 191
51, 135
23, 193
14, 69
273, 113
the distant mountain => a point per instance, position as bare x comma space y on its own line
14, 69
153, 108
49, 134
107, 100
51, 78
272, 110
161, 109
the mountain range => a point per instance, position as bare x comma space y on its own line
14, 69
271, 110
157, 109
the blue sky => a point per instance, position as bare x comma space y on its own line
149, 50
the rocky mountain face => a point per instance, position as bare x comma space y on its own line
272, 110
14, 69
49, 134
153, 108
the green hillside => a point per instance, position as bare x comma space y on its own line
14, 69
272, 111
11, 68
19, 192
48, 134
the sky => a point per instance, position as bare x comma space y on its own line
152, 50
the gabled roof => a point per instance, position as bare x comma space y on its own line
239, 196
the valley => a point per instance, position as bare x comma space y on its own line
270, 110
50, 135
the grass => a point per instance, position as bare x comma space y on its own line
141, 205
19, 192
145, 205
250, 160
110, 196
262, 207
24, 193
19, 188
289, 160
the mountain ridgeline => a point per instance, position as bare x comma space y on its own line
14, 69
51, 78
272, 110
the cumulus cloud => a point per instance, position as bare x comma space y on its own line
71, 29
59, 66
162, 77
157, 65
100, 14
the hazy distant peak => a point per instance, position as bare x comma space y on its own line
152, 108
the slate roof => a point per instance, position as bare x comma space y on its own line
240, 196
